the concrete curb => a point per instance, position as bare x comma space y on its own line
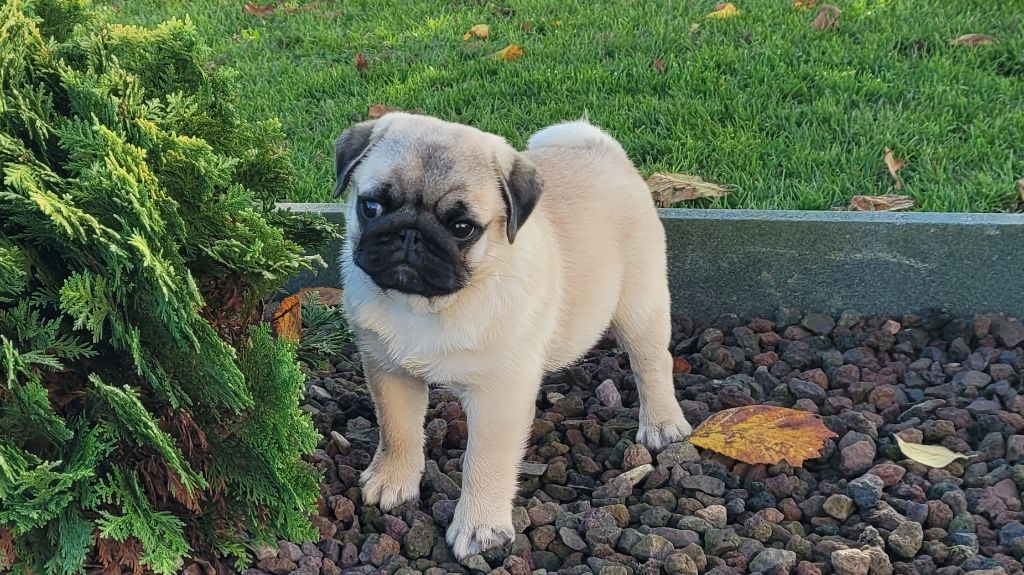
752, 262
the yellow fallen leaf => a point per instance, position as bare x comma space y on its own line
557, 23
694, 28
481, 31
973, 40
287, 320
931, 455
883, 203
804, 4
724, 10
894, 166
827, 18
668, 189
763, 434
509, 53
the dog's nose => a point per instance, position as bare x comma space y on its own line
410, 238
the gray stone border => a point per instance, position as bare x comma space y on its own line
752, 262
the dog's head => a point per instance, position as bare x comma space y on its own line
429, 199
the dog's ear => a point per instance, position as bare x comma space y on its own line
349, 149
521, 188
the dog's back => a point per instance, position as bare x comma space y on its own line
602, 212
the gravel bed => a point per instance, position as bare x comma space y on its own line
593, 501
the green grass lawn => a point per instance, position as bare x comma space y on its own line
790, 117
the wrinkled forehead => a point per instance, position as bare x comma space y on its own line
437, 170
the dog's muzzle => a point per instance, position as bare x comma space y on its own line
411, 260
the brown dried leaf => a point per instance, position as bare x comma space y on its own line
827, 18
680, 366
361, 63
658, 64
763, 434
973, 40
724, 10
669, 189
884, 203
259, 10
894, 165
113, 555
328, 295
804, 4
287, 320
481, 31
6, 548
509, 53
378, 110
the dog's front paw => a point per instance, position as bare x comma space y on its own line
389, 482
471, 535
657, 433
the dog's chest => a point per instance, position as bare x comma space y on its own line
423, 348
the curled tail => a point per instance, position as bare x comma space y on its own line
575, 134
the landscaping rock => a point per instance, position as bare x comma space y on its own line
592, 500
851, 562
905, 541
773, 560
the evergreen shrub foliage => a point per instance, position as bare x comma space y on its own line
146, 414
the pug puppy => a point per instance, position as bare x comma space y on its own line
473, 266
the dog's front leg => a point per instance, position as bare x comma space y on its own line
401, 404
499, 415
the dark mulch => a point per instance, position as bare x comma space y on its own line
862, 508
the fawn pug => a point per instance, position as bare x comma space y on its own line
471, 265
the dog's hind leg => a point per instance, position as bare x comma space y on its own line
643, 325
401, 405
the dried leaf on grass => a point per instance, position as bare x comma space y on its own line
680, 366
509, 53
894, 165
724, 10
827, 18
804, 4
930, 455
884, 203
481, 31
763, 434
669, 189
973, 40
658, 65
361, 63
287, 319
258, 9
378, 110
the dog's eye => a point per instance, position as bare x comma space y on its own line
371, 209
463, 230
